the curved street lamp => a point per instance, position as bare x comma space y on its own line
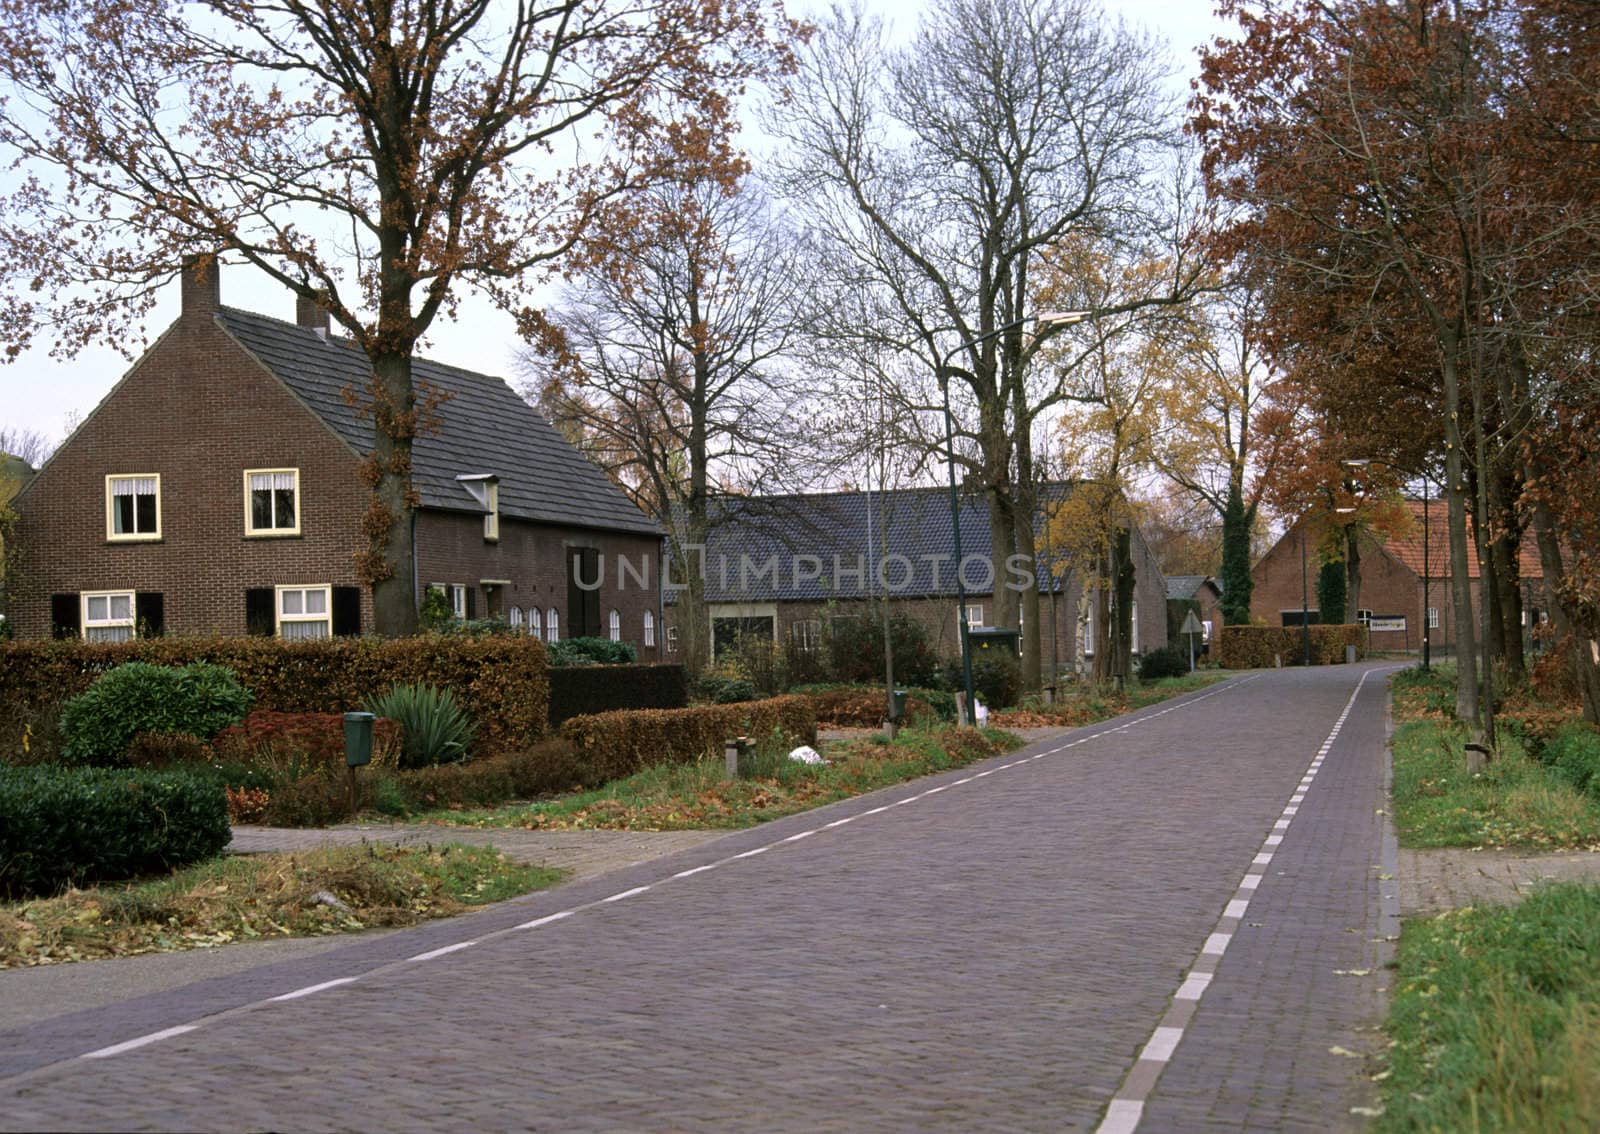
1046, 319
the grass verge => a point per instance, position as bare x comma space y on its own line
1092, 705
1495, 1019
672, 797
1516, 801
243, 897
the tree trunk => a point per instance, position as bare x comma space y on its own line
1126, 583
389, 560
1236, 581
1580, 659
1466, 645
1505, 556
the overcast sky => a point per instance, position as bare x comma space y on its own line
43, 395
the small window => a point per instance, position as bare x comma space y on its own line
552, 626
1364, 617
535, 622
806, 635
672, 639
305, 612
974, 616
133, 506
271, 502
491, 521
515, 618
107, 616
649, 628
616, 626
458, 600
1433, 618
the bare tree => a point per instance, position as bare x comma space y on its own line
943, 173
667, 363
28, 445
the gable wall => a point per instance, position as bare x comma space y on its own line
199, 411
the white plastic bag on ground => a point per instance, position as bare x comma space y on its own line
982, 714
807, 755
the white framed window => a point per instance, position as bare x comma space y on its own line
458, 600
305, 612
271, 502
1433, 618
806, 634
515, 618
1364, 617
491, 520
535, 622
616, 626
974, 616
552, 626
107, 616
649, 627
133, 506
672, 639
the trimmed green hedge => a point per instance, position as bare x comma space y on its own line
612, 745
583, 689
66, 826
1258, 647
501, 681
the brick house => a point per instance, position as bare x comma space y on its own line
785, 565
1399, 592
214, 491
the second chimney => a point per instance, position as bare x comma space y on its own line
309, 313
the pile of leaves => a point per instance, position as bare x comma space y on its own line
319, 892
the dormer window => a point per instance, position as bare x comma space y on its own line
485, 489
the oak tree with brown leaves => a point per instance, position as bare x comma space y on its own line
373, 157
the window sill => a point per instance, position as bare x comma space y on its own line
117, 541
273, 535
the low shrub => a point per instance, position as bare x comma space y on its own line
579, 689
434, 729
1169, 661
941, 701
996, 677
99, 724
591, 651
316, 800
861, 707
855, 646
284, 747
65, 826
612, 745
1574, 751
725, 690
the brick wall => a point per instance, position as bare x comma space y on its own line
531, 559
199, 411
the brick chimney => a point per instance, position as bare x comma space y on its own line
309, 313
202, 291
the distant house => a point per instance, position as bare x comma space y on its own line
215, 491
1206, 593
1399, 592
783, 566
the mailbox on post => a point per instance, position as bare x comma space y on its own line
358, 739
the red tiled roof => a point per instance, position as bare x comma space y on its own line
1407, 545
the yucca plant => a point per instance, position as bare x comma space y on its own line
434, 729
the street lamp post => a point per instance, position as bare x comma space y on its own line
1048, 319
1305, 597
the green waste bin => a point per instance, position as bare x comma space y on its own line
358, 739
898, 700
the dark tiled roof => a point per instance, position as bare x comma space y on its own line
1185, 586
486, 428
822, 546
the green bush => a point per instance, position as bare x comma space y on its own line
855, 645
591, 651
433, 728
98, 725
66, 826
996, 677
1168, 661
610, 746
1574, 751
726, 690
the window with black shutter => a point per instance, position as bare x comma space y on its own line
149, 614
65, 616
583, 601
260, 616
346, 612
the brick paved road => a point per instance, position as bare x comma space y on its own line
987, 950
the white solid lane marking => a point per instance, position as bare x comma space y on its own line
129, 1045
548, 918
625, 894
432, 953
314, 988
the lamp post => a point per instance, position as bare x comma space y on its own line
1305, 596
1048, 319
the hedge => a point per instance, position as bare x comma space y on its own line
1259, 647
581, 690
501, 681
65, 826
613, 745
858, 707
